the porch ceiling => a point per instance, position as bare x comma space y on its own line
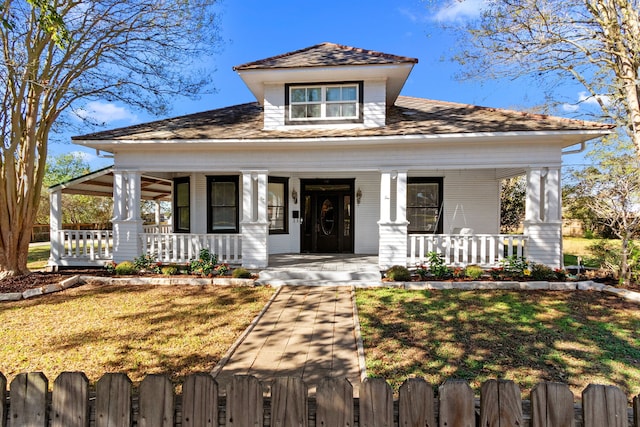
100, 183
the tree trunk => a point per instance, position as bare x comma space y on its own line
625, 273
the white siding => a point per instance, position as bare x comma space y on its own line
273, 106
374, 103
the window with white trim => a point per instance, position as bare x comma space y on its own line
327, 103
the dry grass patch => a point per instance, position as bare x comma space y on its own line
571, 337
139, 330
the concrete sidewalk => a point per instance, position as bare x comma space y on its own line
307, 332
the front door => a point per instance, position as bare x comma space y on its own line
327, 216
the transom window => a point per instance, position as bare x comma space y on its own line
324, 102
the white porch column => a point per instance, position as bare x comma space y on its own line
119, 195
392, 246
127, 224
55, 226
543, 221
158, 213
254, 225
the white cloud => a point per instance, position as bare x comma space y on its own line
459, 10
585, 99
105, 112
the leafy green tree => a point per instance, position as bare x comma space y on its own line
138, 52
513, 194
594, 43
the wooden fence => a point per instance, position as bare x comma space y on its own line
243, 403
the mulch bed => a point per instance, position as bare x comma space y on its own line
38, 279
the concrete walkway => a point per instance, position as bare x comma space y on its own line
307, 332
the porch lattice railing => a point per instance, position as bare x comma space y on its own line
157, 228
179, 247
83, 245
485, 250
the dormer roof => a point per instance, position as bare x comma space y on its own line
328, 62
326, 55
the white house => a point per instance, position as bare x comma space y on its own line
329, 159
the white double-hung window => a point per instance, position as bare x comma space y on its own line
324, 102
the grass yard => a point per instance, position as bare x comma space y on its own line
138, 330
38, 256
574, 247
572, 337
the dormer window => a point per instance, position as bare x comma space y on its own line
323, 103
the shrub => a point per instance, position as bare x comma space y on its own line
398, 273
542, 272
561, 274
110, 267
169, 270
241, 273
474, 272
422, 271
437, 266
125, 268
515, 266
222, 269
205, 264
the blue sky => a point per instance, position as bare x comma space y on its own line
256, 29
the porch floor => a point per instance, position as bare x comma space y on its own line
321, 270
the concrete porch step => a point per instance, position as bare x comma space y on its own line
281, 277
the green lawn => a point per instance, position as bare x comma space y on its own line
571, 337
38, 256
574, 247
176, 330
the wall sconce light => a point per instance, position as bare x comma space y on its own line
294, 196
358, 195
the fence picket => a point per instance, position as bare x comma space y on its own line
244, 401
415, 407
156, 402
3, 400
334, 400
200, 401
457, 404
28, 397
376, 403
604, 406
289, 402
500, 404
113, 401
552, 405
70, 400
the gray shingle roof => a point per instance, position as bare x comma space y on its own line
409, 116
325, 55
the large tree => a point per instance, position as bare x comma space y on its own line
139, 52
611, 190
595, 43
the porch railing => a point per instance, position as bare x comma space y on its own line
82, 247
157, 228
179, 247
485, 250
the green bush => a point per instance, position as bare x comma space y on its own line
205, 264
541, 272
125, 268
241, 273
170, 270
145, 262
437, 266
398, 273
515, 266
473, 272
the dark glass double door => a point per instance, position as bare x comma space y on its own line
327, 216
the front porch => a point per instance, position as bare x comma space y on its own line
375, 216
